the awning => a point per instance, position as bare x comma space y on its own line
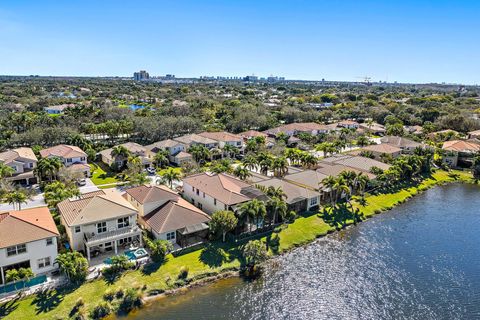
193, 228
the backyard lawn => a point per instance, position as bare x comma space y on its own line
102, 175
211, 259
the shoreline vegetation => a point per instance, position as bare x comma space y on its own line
220, 260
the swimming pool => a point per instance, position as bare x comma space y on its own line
132, 255
23, 284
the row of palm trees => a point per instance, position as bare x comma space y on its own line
347, 183
265, 162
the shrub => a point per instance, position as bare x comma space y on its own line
131, 300
109, 295
183, 274
101, 311
119, 294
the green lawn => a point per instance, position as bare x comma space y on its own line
102, 175
211, 259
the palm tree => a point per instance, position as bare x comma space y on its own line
253, 209
308, 160
199, 153
230, 151
242, 173
16, 197
362, 182
161, 159
271, 191
277, 206
329, 184
48, 167
56, 192
350, 179
250, 162
265, 162
362, 141
120, 152
279, 166
170, 175
5, 171
79, 141
341, 187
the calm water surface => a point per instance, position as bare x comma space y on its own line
419, 261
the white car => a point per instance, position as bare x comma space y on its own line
151, 170
82, 182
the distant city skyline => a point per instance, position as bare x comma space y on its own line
405, 41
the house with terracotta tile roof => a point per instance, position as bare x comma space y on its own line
474, 134
168, 216
247, 135
223, 138
28, 239
372, 128
176, 151
460, 152
100, 222
194, 139
293, 129
135, 149
72, 157
23, 161
378, 150
214, 192
407, 145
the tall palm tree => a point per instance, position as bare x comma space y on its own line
279, 166
350, 179
242, 173
170, 175
362, 182
329, 184
120, 151
308, 160
250, 162
48, 167
161, 159
5, 171
230, 151
16, 197
252, 210
340, 187
199, 153
277, 206
79, 141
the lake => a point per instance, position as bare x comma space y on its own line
420, 260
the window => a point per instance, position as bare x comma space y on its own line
193, 201
225, 206
101, 227
214, 201
123, 222
49, 241
30, 165
18, 249
171, 235
313, 201
44, 262
82, 159
204, 194
198, 192
200, 206
193, 189
77, 229
69, 160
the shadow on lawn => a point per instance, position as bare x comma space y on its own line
8, 307
153, 267
340, 215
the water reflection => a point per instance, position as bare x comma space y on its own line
419, 261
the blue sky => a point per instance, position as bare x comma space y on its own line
407, 41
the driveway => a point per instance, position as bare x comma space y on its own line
88, 187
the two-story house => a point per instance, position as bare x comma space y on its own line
100, 222
23, 161
134, 149
168, 216
72, 157
28, 239
195, 139
223, 138
176, 151
214, 192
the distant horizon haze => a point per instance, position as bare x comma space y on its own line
407, 41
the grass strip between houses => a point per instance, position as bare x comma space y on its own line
210, 260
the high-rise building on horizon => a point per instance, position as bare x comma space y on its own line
141, 75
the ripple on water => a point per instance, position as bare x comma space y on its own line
418, 261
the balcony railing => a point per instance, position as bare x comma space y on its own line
111, 235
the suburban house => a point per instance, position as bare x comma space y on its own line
28, 239
72, 157
298, 199
474, 134
100, 222
378, 150
459, 153
135, 150
195, 139
407, 145
23, 161
176, 151
168, 216
293, 129
223, 138
349, 124
359, 163
372, 128
417, 130
58, 109
214, 192
250, 134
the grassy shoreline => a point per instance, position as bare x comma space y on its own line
215, 258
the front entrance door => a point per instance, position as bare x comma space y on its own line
108, 246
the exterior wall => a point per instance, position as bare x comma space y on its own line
205, 203
145, 208
35, 250
163, 236
313, 202
69, 162
77, 239
451, 159
176, 149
